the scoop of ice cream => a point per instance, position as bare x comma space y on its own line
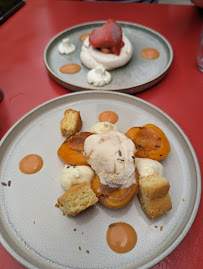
103, 127
147, 167
65, 47
71, 175
111, 156
99, 76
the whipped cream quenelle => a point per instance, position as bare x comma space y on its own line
147, 167
71, 175
65, 47
103, 127
92, 57
111, 156
98, 76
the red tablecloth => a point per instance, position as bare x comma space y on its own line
26, 83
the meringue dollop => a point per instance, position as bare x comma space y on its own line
91, 57
66, 47
98, 76
147, 167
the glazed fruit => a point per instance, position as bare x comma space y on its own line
96, 186
113, 197
71, 151
150, 142
108, 37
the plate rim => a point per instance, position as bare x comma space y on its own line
195, 208
135, 89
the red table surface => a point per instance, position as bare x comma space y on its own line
26, 83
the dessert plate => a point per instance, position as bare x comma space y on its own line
36, 233
138, 75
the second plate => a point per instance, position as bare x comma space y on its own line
138, 75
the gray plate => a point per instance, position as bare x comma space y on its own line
138, 75
36, 233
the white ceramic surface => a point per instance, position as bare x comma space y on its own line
138, 75
36, 233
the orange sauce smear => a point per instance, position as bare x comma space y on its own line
70, 68
150, 53
31, 164
108, 116
83, 37
121, 237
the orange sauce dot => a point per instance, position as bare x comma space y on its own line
70, 68
108, 116
31, 164
82, 37
150, 53
121, 237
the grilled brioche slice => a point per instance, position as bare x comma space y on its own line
76, 199
154, 197
71, 123
154, 186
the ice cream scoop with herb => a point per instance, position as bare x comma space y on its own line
111, 156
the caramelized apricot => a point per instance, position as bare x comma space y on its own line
95, 185
71, 151
113, 197
150, 142
117, 198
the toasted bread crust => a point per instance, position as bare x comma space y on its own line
154, 186
71, 123
154, 197
76, 199
154, 208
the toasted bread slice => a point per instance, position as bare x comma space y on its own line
154, 197
71, 122
76, 199
154, 186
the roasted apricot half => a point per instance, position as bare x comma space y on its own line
150, 142
113, 197
71, 151
96, 185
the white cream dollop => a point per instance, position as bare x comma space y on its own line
66, 47
98, 76
111, 156
91, 57
103, 127
71, 175
147, 167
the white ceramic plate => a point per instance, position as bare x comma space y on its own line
138, 75
36, 233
